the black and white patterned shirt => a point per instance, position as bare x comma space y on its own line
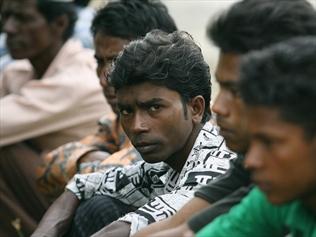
156, 189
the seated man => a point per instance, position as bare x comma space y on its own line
278, 86
49, 98
163, 96
109, 146
220, 195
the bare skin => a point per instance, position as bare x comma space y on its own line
58, 217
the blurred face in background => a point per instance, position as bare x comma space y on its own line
29, 35
281, 157
106, 50
228, 106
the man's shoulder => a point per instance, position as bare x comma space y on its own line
16, 74
210, 141
73, 54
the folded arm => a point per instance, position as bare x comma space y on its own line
58, 217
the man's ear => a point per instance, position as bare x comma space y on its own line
59, 25
197, 106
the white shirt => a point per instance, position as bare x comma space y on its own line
62, 106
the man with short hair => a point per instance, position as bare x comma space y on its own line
256, 29
278, 87
163, 94
49, 98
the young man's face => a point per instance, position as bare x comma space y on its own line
281, 158
106, 50
228, 106
154, 120
28, 33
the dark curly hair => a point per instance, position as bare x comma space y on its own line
53, 9
283, 77
253, 24
170, 60
131, 19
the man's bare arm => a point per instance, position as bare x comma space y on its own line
179, 231
116, 228
58, 217
193, 206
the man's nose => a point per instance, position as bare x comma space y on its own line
220, 105
254, 157
140, 123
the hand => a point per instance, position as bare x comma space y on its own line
116, 228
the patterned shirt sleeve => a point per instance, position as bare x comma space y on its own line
61, 164
132, 184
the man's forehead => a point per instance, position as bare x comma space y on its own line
144, 92
227, 69
108, 45
19, 6
261, 118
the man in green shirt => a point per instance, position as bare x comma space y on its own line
278, 87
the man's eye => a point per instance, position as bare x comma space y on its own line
235, 92
124, 112
154, 108
266, 142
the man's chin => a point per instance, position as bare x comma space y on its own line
17, 52
17, 56
278, 199
152, 159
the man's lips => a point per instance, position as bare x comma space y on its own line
146, 147
225, 132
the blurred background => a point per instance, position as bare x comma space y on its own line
193, 16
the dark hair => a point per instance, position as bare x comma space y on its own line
53, 9
283, 77
81, 3
132, 19
253, 24
170, 60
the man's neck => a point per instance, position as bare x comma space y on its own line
178, 159
310, 202
42, 61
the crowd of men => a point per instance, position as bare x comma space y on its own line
150, 156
